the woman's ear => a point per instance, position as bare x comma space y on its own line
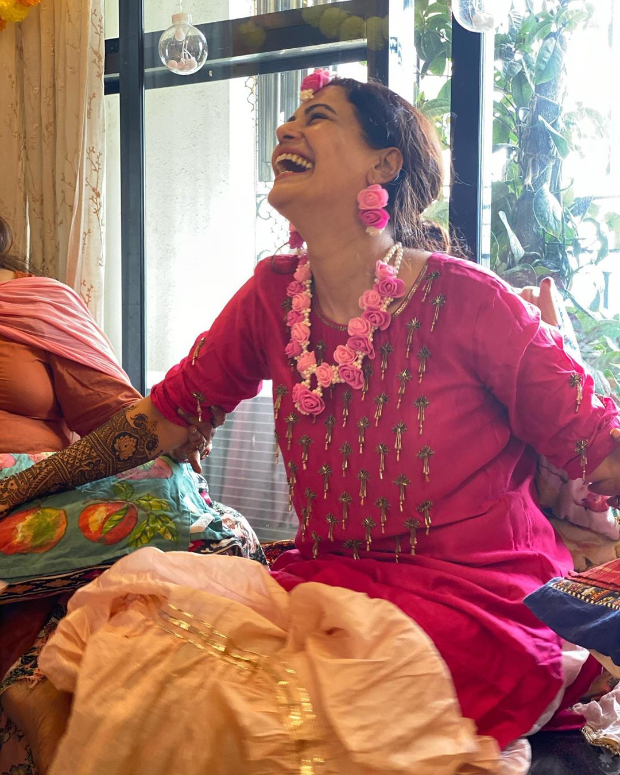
387, 167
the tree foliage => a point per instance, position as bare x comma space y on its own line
539, 227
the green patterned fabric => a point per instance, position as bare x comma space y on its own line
155, 504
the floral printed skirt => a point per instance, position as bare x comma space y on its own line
15, 753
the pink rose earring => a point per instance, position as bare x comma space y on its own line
371, 201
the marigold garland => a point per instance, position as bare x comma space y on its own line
15, 11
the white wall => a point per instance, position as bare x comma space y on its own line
200, 238
200, 198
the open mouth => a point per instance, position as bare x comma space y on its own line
292, 162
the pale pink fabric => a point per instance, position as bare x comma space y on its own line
603, 715
188, 664
43, 312
516, 759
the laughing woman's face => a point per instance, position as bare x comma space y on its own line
321, 158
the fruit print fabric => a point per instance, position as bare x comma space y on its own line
152, 505
35, 530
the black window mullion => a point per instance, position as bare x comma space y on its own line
131, 81
467, 137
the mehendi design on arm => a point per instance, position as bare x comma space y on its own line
122, 443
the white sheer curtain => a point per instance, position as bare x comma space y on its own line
52, 141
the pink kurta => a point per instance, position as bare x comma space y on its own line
466, 382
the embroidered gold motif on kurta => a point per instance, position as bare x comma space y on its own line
403, 378
290, 421
380, 401
326, 471
382, 450
362, 424
412, 326
345, 499
304, 442
369, 523
279, 393
412, 525
354, 545
423, 355
383, 505
197, 350
363, 477
330, 421
425, 510
576, 381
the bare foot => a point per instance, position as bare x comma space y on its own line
41, 712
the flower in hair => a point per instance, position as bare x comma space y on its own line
313, 83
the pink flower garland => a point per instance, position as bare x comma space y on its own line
348, 358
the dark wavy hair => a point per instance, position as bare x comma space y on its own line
389, 121
9, 260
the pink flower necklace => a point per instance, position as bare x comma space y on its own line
349, 357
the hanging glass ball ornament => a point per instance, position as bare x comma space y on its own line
481, 15
182, 47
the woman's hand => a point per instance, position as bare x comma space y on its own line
195, 448
200, 438
542, 297
606, 478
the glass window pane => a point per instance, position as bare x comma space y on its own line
110, 18
556, 165
208, 173
157, 13
208, 150
433, 44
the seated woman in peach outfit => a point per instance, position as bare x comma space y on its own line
58, 377
59, 380
411, 391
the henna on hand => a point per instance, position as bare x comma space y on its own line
124, 442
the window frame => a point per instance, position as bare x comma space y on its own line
132, 66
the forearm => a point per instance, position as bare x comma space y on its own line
132, 437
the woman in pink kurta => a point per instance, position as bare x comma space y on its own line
456, 548
413, 480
